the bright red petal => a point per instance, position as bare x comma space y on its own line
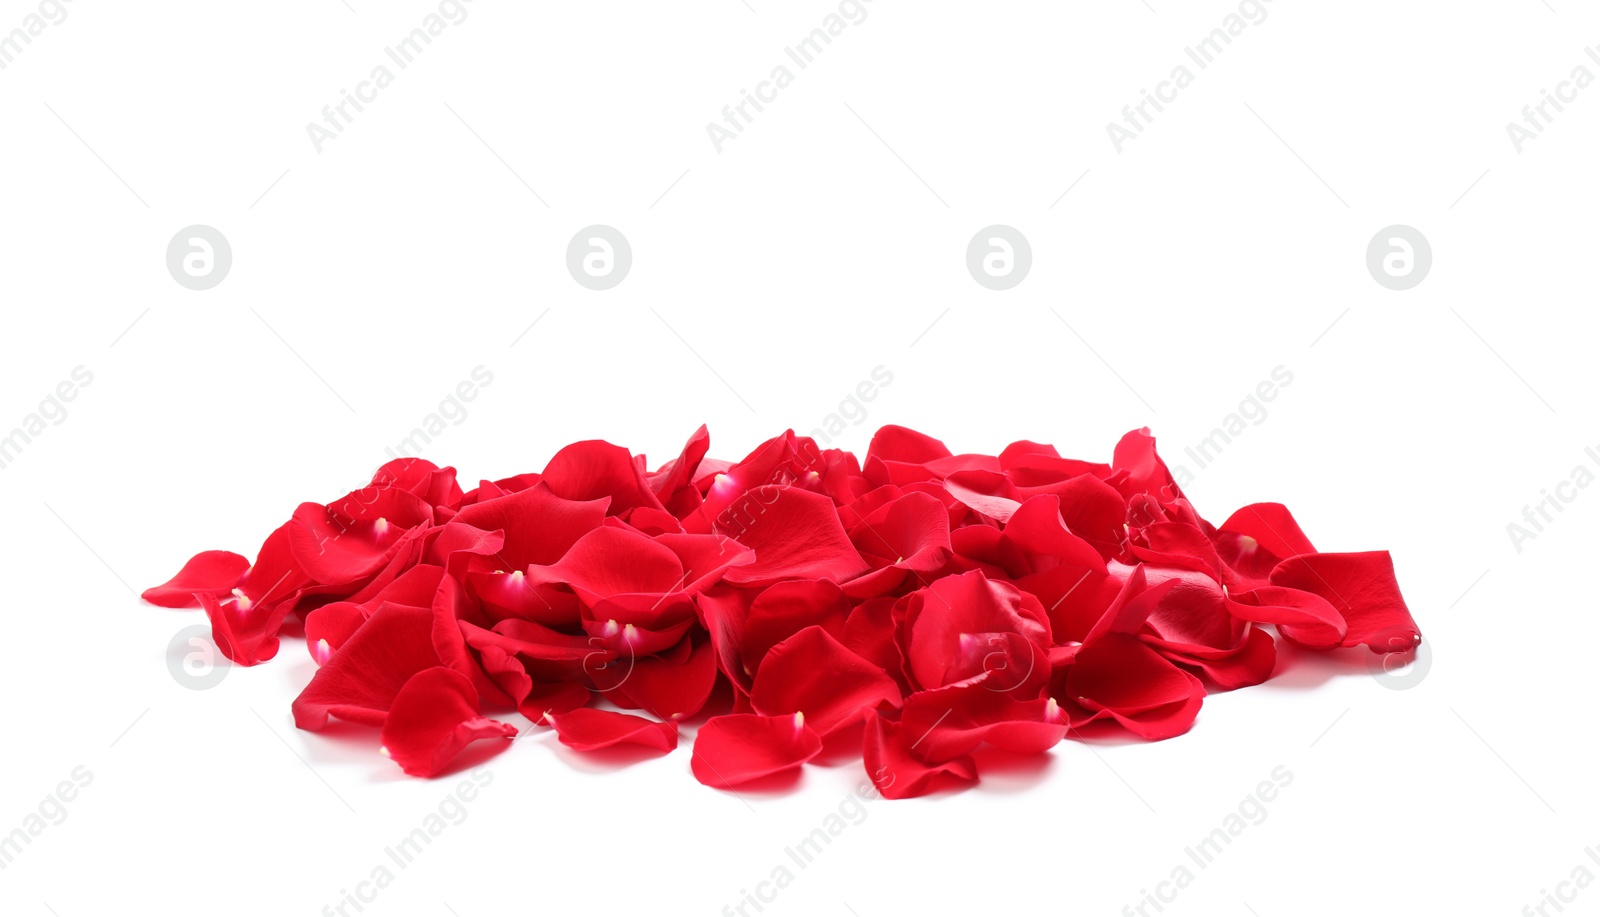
588, 729
814, 674
898, 774
434, 717
214, 572
738, 748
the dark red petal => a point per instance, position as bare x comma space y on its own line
814, 674
588, 729
1362, 588
896, 772
740, 747
434, 716
214, 572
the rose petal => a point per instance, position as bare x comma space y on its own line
214, 572
588, 729
1362, 588
896, 772
434, 717
814, 674
740, 747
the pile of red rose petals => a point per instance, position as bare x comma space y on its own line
920, 602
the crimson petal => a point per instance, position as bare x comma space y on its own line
434, 716
814, 674
588, 729
213, 572
740, 747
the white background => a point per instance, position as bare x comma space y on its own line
767, 281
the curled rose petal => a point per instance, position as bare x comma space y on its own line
211, 572
795, 534
360, 681
814, 674
1363, 589
433, 718
897, 773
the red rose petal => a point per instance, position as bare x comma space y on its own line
740, 747
897, 773
794, 534
213, 572
814, 674
588, 729
434, 717
1362, 588
362, 679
